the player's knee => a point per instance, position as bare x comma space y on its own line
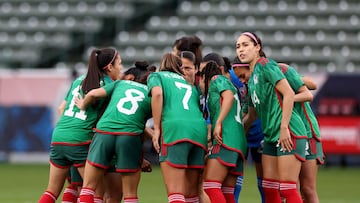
308, 191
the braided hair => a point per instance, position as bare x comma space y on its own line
210, 70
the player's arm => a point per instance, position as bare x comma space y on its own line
148, 132
227, 101
156, 106
288, 103
90, 97
309, 83
249, 118
303, 95
61, 108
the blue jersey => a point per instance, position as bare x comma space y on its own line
255, 134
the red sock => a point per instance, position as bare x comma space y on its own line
98, 200
87, 195
271, 191
229, 194
176, 198
213, 190
47, 197
70, 195
194, 199
290, 193
131, 200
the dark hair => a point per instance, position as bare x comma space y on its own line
257, 41
237, 63
140, 71
210, 69
227, 64
188, 55
98, 62
151, 68
172, 63
192, 44
215, 57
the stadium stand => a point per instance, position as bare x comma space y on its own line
313, 36
33, 30
310, 35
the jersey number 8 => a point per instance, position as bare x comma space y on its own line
133, 96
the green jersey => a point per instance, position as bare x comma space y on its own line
232, 130
128, 109
75, 125
181, 116
268, 101
303, 108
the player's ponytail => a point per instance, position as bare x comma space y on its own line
99, 61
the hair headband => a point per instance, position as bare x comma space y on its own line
240, 65
252, 36
112, 60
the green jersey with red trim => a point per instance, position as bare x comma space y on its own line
232, 129
268, 101
181, 118
76, 126
303, 108
128, 109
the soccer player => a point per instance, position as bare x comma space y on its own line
254, 135
112, 178
188, 61
73, 132
118, 133
180, 133
314, 153
272, 99
226, 159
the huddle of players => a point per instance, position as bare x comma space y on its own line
180, 133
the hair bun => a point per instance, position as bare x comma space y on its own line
141, 65
195, 41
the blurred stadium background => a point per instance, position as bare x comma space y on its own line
45, 43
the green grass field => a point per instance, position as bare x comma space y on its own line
25, 183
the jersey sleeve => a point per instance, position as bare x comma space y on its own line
109, 88
153, 81
273, 73
69, 92
294, 79
222, 84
